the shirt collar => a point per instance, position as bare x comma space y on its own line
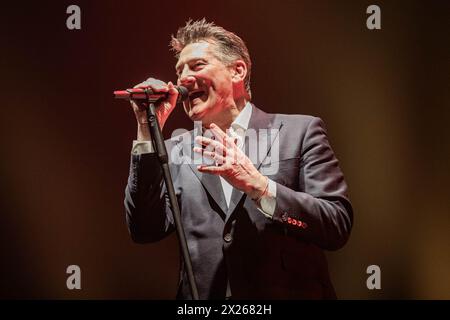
243, 119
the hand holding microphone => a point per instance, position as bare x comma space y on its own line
170, 94
147, 94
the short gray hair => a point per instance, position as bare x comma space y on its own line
230, 46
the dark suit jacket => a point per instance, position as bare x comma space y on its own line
279, 258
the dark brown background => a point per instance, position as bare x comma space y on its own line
65, 143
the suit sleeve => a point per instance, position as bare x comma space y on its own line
322, 214
148, 216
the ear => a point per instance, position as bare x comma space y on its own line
239, 71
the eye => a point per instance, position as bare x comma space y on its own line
199, 65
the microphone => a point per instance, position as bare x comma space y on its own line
147, 94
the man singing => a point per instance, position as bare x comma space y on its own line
252, 233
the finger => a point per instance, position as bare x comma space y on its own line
232, 157
154, 84
230, 143
137, 106
208, 154
197, 149
216, 147
219, 159
173, 94
208, 142
171, 88
210, 169
218, 133
226, 140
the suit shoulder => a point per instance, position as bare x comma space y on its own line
299, 120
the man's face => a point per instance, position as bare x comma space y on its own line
208, 79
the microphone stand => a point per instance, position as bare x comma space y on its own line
158, 143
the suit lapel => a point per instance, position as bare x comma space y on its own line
213, 186
210, 182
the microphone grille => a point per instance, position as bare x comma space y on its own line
183, 93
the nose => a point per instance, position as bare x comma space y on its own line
186, 81
186, 78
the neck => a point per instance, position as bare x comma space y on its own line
231, 113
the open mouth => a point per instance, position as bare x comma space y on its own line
197, 94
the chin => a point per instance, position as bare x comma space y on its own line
198, 111
195, 117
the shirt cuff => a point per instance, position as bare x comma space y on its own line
268, 202
141, 147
